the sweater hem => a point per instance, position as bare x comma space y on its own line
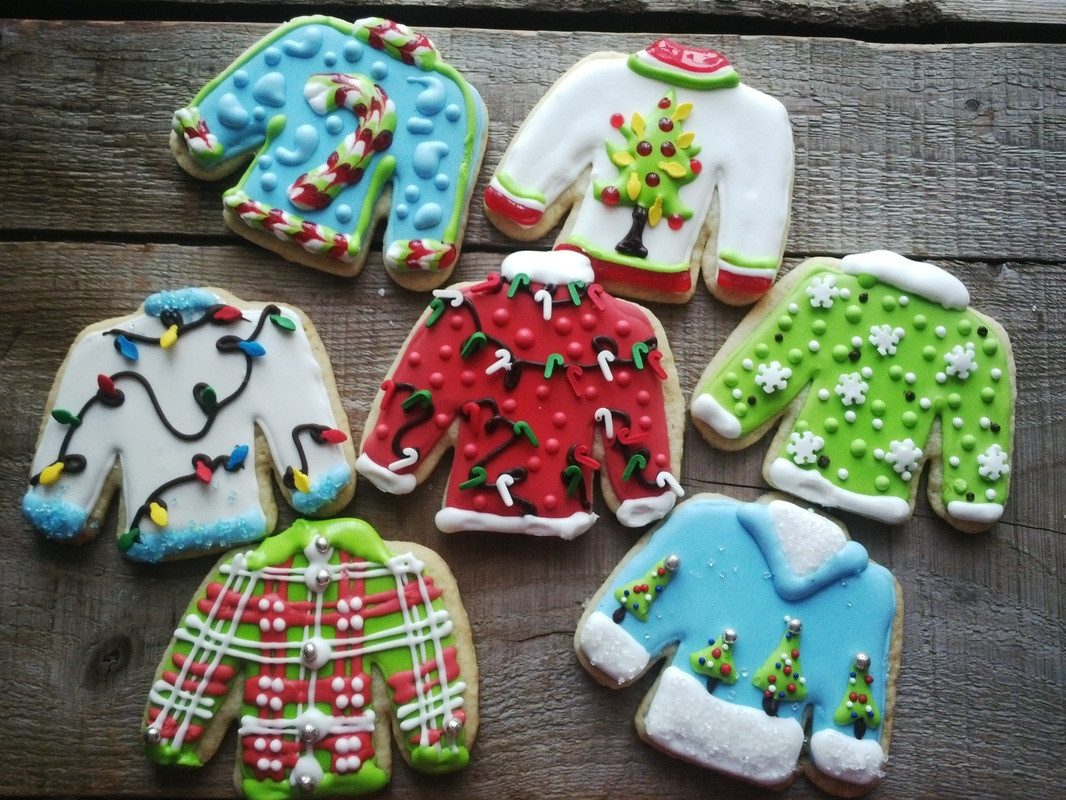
452, 520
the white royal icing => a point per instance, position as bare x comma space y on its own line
610, 649
556, 267
917, 277
857, 761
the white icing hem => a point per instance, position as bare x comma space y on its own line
919, 277
748, 272
709, 410
641, 510
610, 649
975, 512
857, 761
452, 520
687, 721
384, 478
554, 267
525, 202
810, 485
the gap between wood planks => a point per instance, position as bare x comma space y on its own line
921, 22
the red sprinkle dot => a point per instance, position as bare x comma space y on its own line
445, 352
772, 679
767, 693
562, 325
795, 653
610, 196
787, 670
436, 380
791, 688
509, 405
645, 422
456, 321
524, 338
543, 391
559, 419
695, 165
414, 359
623, 327
862, 698
675, 221
467, 377
480, 502
551, 446
661, 460
853, 697
667, 149
381, 431
591, 392
726, 669
617, 120
623, 378
664, 103
644, 148
643, 397
588, 320
470, 450
869, 679
652, 179
501, 316
533, 464
717, 652
442, 421
666, 124
575, 349
550, 501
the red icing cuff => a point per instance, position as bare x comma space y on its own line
497, 201
620, 274
744, 284
690, 59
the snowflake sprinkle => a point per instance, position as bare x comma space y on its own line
993, 463
904, 457
772, 376
822, 291
961, 362
852, 389
885, 338
804, 447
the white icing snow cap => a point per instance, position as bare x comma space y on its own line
919, 277
807, 539
554, 267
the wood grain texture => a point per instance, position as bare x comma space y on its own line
968, 139
980, 695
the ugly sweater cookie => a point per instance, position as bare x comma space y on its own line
286, 638
335, 115
767, 615
664, 131
539, 378
183, 406
901, 371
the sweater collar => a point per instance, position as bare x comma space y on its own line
552, 268
679, 65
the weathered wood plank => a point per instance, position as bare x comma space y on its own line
83, 629
945, 152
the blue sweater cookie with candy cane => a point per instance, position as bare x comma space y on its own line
343, 123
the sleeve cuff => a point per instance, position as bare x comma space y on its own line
610, 649
642, 510
706, 409
384, 478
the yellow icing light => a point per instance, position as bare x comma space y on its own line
50, 474
633, 186
158, 514
168, 338
622, 159
685, 139
655, 213
637, 124
682, 112
301, 481
672, 168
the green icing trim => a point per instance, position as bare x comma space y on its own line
369, 778
746, 262
352, 535
508, 183
382, 172
438, 760
725, 78
613, 257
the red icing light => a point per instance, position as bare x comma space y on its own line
334, 436
617, 120
227, 314
203, 471
107, 386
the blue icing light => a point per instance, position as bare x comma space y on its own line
428, 216
334, 124
324, 490
252, 349
412, 193
56, 518
269, 181
272, 56
431, 99
270, 89
401, 211
442, 181
452, 113
330, 58
231, 113
419, 125
305, 140
180, 300
343, 213
427, 157
240, 79
311, 43
154, 547
379, 70
353, 51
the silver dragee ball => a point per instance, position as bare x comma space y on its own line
322, 577
152, 736
309, 652
672, 562
305, 783
453, 727
309, 733
321, 544
795, 625
729, 635
862, 661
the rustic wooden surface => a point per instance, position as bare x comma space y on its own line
952, 153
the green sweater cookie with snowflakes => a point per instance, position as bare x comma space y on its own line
878, 365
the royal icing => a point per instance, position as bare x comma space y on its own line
334, 113
886, 365
663, 130
174, 395
297, 627
758, 645
525, 372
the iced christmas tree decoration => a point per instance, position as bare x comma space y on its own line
182, 406
328, 119
641, 146
638, 597
870, 367
286, 640
796, 603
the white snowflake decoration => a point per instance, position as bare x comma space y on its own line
993, 463
822, 290
804, 447
885, 338
904, 457
852, 389
961, 362
772, 376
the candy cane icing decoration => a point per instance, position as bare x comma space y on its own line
345, 166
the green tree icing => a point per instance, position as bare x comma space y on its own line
716, 660
858, 708
656, 160
637, 597
781, 676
